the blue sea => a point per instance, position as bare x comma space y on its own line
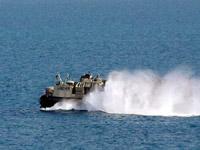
39, 38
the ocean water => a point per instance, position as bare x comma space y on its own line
150, 47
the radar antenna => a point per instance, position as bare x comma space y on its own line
58, 78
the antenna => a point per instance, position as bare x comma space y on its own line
66, 78
58, 77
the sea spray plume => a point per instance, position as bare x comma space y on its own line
146, 93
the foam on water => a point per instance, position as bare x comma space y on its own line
66, 105
143, 92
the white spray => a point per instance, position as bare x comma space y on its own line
145, 93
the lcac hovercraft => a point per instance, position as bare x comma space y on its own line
70, 90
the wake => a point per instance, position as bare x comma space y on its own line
144, 92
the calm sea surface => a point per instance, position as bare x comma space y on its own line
41, 37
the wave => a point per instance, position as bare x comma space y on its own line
143, 92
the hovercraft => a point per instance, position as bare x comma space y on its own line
70, 90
